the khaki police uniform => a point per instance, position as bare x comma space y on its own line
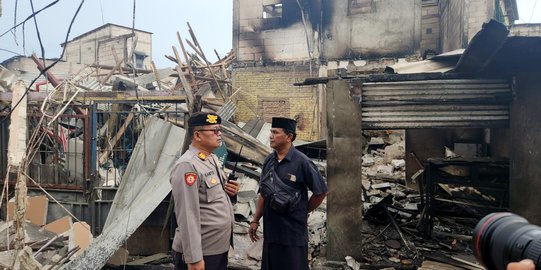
203, 209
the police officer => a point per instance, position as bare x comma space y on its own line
202, 200
285, 234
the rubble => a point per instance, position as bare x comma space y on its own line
43, 249
393, 226
139, 170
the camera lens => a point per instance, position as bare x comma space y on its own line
501, 238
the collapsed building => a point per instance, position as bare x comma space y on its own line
72, 134
278, 44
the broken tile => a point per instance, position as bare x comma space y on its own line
36, 209
60, 226
80, 236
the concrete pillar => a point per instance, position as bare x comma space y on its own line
344, 151
525, 155
18, 126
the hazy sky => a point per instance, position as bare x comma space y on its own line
210, 19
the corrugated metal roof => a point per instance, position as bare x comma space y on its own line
227, 110
435, 103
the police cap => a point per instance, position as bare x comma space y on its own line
204, 119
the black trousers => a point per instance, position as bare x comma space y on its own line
212, 262
282, 257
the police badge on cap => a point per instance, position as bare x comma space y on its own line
285, 123
204, 119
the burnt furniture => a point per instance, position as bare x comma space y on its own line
488, 174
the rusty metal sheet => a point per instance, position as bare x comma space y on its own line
435, 104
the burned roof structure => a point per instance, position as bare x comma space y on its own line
486, 99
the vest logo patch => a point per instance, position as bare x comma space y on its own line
292, 177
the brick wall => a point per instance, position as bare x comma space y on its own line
269, 91
105, 51
430, 27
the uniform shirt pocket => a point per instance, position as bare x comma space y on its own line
214, 189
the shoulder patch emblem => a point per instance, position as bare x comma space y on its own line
190, 178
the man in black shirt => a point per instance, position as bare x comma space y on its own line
283, 202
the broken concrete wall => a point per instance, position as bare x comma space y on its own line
273, 30
526, 151
267, 92
386, 28
25, 69
95, 47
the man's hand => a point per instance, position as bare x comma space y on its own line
253, 231
200, 265
232, 187
522, 265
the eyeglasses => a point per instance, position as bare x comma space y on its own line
216, 130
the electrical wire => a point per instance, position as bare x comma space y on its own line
14, 32
101, 9
24, 39
6, 50
133, 50
533, 10
48, 67
37, 32
39, 37
30, 17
